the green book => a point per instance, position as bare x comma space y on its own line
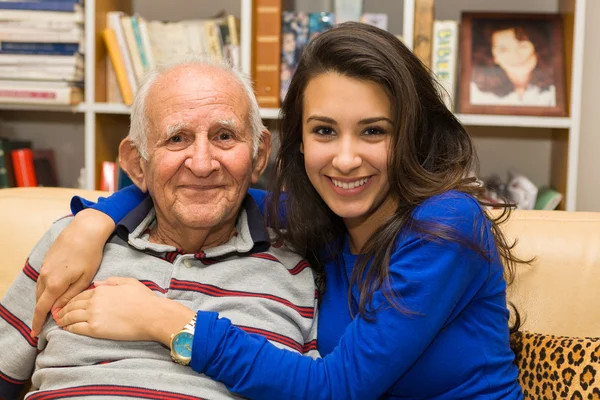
3, 170
547, 199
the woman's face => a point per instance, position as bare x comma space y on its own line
511, 54
346, 132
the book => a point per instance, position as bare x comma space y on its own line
319, 23
132, 47
347, 10
294, 36
17, 92
66, 6
41, 60
108, 176
146, 44
29, 35
22, 162
116, 58
45, 168
138, 41
423, 30
28, 15
67, 49
379, 20
113, 22
3, 171
444, 58
547, 199
266, 45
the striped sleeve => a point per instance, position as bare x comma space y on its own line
310, 340
18, 348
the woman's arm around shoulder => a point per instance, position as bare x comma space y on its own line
372, 354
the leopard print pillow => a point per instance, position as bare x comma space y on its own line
553, 367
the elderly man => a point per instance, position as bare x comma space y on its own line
198, 242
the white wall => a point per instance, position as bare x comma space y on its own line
588, 189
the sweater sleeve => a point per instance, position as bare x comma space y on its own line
121, 203
372, 354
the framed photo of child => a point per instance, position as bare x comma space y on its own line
512, 64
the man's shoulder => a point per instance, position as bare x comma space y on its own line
287, 256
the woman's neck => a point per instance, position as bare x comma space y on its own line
360, 229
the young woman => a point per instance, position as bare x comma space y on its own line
379, 198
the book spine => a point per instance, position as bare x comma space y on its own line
3, 170
64, 96
423, 30
146, 44
23, 167
444, 58
67, 49
138, 41
266, 69
116, 58
114, 23
132, 48
68, 6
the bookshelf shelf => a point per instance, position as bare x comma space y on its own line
78, 108
111, 108
514, 121
105, 124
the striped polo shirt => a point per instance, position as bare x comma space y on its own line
262, 288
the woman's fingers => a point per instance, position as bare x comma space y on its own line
73, 317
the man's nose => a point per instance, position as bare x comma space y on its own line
347, 156
201, 161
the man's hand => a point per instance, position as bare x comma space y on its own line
123, 309
71, 263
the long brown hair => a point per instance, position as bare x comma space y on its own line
490, 77
430, 154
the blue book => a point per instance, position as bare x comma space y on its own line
67, 49
49, 5
138, 40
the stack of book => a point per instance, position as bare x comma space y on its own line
135, 46
41, 51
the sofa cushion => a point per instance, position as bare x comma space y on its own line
553, 367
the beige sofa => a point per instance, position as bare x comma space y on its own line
557, 294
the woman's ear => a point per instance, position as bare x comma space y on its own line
132, 164
302, 147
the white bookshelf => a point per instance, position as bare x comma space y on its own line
99, 115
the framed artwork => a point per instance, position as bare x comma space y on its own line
512, 64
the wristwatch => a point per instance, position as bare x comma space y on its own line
181, 343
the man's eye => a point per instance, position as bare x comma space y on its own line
176, 139
225, 136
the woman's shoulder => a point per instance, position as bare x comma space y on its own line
453, 207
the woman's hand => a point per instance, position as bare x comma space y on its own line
123, 309
71, 263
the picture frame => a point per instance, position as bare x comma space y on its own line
512, 64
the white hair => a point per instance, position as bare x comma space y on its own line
140, 124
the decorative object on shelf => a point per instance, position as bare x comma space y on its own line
347, 10
423, 30
444, 57
512, 64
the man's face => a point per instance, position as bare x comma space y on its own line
199, 163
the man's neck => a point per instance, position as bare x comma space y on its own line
191, 240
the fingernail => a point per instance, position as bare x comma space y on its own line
33, 333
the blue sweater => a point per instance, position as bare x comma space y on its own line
454, 342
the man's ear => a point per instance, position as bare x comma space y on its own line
131, 162
262, 157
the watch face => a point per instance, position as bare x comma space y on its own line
182, 344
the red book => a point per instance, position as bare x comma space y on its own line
24, 170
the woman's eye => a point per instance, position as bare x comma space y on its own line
323, 130
374, 131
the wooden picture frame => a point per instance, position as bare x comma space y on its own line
512, 64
